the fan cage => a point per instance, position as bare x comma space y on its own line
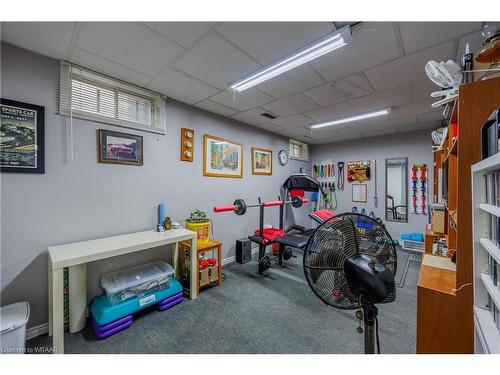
336, 240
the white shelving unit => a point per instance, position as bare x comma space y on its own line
487, 336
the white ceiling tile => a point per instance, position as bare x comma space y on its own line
430, 117
216, 61
50, 39
207, 105
373, 43
378, 132
270, 127
422, 89
420, 35
181, 87
243, 101
332, 112
129, 43
252, 116
291, 82
291, 105
388, 98
402, 122
102, 65
184, 33
295, 121
475, 41
410, 68
270, 41
354, 129
341, 90
412, 109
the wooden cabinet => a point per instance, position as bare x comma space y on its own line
444, 297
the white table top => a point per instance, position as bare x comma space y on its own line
72, 254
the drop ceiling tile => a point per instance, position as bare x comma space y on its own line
389, 98
475, 41
181, 87
209, 106
378, 132
412, 109
291, 105
291, 82
129, 43
341, 90
433, 117
419, 35
243, 101
216, 61
50, 39
410, 68
422, 89
357, 129
271, 41
184, 33
252, 116
270, 127
402, 122
102, 65
332, 112
373, 43
295, 121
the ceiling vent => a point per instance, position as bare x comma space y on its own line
268, 115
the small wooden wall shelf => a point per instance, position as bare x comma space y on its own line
187, 144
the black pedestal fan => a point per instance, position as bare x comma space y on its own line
350, 263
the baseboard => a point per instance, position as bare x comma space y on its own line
232, 259
36, 331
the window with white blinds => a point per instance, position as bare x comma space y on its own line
299, 150
92, 96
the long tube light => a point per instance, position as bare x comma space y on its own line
380, 112
319, 48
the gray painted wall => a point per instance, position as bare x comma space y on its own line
414, 145
82, 199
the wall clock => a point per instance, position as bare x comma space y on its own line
283, 157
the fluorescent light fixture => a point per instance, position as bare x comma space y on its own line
380, 112
323, 46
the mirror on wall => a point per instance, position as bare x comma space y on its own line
396, 189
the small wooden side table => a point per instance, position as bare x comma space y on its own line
212, 246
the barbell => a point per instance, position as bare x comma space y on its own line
239, 206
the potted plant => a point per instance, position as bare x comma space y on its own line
199, 223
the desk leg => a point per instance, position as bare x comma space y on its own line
194, 270
57, 302
77, 280
175, 259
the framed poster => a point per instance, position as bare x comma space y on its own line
359, 193
119, 148
262, 161
22, 137
222, 157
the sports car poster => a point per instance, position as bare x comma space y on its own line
21, 137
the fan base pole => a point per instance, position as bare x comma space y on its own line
369, 313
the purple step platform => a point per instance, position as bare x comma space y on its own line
170, 302
115, 327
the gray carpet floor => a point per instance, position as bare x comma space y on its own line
256, 314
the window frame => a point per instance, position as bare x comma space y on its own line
69, 71
303, 145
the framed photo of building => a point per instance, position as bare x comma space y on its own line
262, 161
222, 157
22, 137
119, 148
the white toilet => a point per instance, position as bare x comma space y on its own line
13, 320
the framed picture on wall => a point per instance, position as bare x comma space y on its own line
222, 157
22, 137
119, 148
262, 161
359, 193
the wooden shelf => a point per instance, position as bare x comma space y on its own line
437, 273
486, 329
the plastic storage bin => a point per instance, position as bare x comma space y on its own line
13, 319
136, 281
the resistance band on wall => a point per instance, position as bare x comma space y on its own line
340, 173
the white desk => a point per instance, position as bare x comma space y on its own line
76, 255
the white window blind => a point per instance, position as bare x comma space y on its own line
92, 96
299, 150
